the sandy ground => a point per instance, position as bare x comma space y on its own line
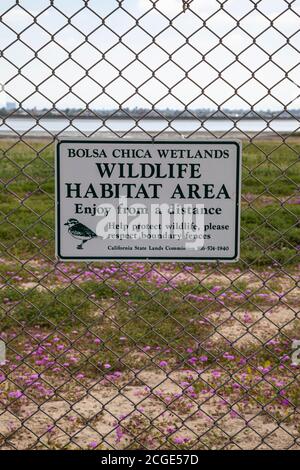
143, 401
93, 418
258, 330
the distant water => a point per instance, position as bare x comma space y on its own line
86, 125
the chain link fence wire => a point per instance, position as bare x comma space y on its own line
150, 355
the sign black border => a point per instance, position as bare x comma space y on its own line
148, 258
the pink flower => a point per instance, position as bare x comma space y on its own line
247, 318
93, 444
163, 364
216, 373
179, 440
203, 358
171, 430
16, 394
119, 434
228, 356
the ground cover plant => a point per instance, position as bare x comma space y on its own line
149, 355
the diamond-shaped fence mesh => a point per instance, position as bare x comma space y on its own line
150, 355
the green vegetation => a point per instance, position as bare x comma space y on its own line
143, 313
70, 326
270, 209
271, 169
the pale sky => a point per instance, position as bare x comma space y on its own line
186, 76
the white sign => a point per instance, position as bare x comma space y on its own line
139, 200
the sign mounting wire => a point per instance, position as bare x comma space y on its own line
186, 4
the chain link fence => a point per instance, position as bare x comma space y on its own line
149, 355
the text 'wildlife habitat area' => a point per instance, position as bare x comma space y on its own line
148, 200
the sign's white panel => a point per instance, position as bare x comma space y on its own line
139, 200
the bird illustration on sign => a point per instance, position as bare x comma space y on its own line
80, 232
